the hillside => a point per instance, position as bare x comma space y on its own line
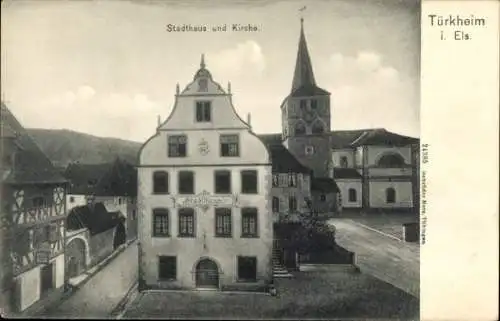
64, 146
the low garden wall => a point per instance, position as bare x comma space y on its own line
101, 246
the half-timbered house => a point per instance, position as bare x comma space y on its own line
33, 209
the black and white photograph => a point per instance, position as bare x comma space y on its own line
210, 159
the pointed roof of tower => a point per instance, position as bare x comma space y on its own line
303, 83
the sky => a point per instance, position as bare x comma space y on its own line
109, 68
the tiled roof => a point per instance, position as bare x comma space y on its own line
284, 162
94, 217
324, 184
119, 180
110, 179
83, 178
353, 138
29, 164
306, 91
346, 173
383, 137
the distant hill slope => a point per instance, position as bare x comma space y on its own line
64, 146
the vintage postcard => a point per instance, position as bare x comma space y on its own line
249, 159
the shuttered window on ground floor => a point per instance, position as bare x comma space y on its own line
167, 268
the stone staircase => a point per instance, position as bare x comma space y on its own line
279, 271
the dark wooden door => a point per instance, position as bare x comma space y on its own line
46, 278
207, 274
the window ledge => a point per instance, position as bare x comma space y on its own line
184, 236
246, 281
160, 236
167, 280
249, 236
224, 236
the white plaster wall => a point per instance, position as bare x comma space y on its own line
59, 270
375, 152
29, 287
79, 200
404, 197
189, 250
344, 186
112, 203
253, 155
390, 171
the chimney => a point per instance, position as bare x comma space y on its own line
249, 120
177, 89
159, 120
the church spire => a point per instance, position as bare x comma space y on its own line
303, 75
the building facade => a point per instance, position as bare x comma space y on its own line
34, 212
368, 169
377, 170
204, 196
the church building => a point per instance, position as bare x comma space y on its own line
368, 169
204, 196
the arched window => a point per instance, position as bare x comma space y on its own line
343, 162
300, 129
160, 182
317, 128
276, 204
353, 197
390, 195
391, 160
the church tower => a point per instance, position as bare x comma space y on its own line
306, 116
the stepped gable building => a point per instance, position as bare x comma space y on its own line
204, 196
32, 220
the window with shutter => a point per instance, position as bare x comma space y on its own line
167, 268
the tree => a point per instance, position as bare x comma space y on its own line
313, 234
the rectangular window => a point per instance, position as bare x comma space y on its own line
160, 182
186, 182
303, 104
167, 268
186, 222
247, 268
292, 203
177, 146
314, 104
203, 111
222, 182
223, 224
229, 146
292, 179
249, 182
249, 222
160, 223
